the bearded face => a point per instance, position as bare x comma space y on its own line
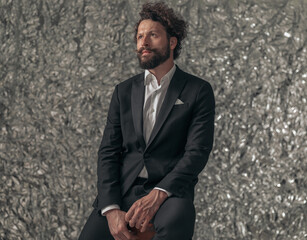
150, 58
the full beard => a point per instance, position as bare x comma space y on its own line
158, 57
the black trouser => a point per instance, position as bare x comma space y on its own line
174, 220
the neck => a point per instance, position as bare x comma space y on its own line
162, 69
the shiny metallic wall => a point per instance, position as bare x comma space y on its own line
59, 63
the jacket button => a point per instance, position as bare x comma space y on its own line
146, 155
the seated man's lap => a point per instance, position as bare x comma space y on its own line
174, 220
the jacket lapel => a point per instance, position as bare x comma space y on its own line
176, 85
137, 101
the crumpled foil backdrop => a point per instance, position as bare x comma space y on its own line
59, 63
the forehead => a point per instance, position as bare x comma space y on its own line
149, 26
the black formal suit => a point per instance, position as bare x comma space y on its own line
177, 150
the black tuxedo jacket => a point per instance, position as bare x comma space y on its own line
177, 150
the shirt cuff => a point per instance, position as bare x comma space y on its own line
110, 207
167, 192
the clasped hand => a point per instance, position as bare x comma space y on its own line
138, 216
144, 209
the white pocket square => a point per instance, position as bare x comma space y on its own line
178, 102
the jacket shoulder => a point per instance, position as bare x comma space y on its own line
195, 81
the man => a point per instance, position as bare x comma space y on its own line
157, 139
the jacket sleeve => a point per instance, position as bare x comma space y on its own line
198, 146
109, 155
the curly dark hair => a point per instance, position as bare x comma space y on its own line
173, 23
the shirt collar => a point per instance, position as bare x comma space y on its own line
167, 77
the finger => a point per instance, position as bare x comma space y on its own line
118, 233
120, 236
140, 221
145, 225
135, 218
133, 221
117, 238
130, 213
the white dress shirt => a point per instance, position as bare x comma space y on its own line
154, 97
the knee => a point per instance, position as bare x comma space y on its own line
175, 220
174, 231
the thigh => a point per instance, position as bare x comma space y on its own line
96, 228
175, 219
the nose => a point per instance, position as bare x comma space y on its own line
145, 41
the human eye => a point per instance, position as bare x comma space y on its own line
139, 36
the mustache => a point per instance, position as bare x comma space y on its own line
143, 49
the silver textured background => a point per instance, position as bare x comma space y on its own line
59, 63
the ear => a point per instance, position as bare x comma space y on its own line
173, 42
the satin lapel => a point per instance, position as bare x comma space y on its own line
137, 101
174, 89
